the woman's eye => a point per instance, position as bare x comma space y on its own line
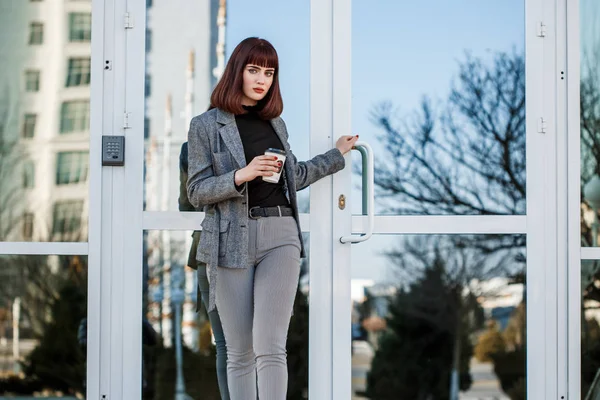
252, 71
269, 74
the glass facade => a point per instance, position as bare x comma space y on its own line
44, 118
43, 326
438, 90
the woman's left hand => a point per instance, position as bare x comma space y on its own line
346, 143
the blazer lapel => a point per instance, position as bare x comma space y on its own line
279, 128
231, 136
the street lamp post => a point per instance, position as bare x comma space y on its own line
177, 297
16, 318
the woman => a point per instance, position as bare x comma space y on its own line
251, 239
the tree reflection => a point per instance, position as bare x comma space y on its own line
465, 155
52, 293
590, 167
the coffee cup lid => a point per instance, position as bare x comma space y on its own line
276, 151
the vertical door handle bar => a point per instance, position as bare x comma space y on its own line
368, 188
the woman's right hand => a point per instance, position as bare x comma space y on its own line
259, 166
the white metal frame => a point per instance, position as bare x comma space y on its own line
562, 187
321, 244
576, 254
341, 361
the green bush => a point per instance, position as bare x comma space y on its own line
510, 370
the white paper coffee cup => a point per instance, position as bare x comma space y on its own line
280, 154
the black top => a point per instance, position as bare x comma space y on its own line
257, 136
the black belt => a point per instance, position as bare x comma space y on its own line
277, 211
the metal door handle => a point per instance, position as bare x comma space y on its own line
368, 188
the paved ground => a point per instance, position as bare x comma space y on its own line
485, 384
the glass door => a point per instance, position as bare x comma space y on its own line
455, 295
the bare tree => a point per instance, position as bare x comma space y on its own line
466, 156
11, 155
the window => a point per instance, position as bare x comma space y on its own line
80, 27
146, 127
28, 174
67, 219
74, 116
36, 33
32, 81
29, 122
78, 73
27, 226
148, 86
148, 40
72, 167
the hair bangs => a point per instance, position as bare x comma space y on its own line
263, 55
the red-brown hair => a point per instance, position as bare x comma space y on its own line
228, 93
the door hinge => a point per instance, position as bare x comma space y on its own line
542, 125
126, 120
541, 29
128, 21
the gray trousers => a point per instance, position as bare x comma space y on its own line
255, 306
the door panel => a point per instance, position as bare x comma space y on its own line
448, 99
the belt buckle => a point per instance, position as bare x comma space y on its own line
250, 213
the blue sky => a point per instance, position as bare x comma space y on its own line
401, 51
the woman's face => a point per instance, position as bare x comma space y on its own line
257, 82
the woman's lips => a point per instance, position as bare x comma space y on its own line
257, 90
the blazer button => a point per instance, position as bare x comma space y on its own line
242, 226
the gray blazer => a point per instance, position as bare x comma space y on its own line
215, 152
